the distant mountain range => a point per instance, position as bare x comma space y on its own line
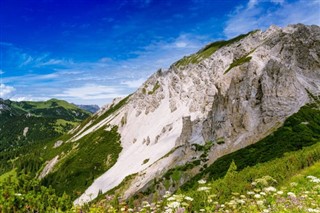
89, 108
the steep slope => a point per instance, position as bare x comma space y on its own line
231, 94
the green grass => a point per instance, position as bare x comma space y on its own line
145, 161
238, 62
155, 87
12, 173
96, 119
45, 104
95, 154
208, 51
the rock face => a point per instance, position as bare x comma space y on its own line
239, 94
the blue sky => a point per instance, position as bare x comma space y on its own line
90, 51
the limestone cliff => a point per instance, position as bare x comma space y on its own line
239, 93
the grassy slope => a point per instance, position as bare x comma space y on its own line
48, 121
94, 154
208, 51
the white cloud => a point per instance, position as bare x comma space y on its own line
1, 72
181, 44
5, 90
252, 3
133, 83
261, 14
92, 91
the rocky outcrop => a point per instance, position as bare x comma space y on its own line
239, 94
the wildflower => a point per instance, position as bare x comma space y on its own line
202, 181
202, 210
311, 177
174, 205
188, 198
180, 210
313, 210
243, 196
123, 209
254, 183
317, 180
241, 201
256, 190
169, 211
167, 194
266, 211
291, 194
260, 202
270, 189
262, 193
257, 196
279, 192
171, 199
203, 188
250, 193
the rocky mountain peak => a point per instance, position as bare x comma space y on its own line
231, 93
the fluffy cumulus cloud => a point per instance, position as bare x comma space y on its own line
6, 90
260, 14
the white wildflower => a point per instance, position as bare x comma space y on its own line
250, 193
202, 181
188, 198
171, 199
291, 194
311, 177
316, 180
279, 192
260, 202
313, 210
174, 205
203, 188
270, 189
241, 201
257, 196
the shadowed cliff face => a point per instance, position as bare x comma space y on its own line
263, 92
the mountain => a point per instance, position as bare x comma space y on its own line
89, 108
249, 100
26, 124
225, 97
